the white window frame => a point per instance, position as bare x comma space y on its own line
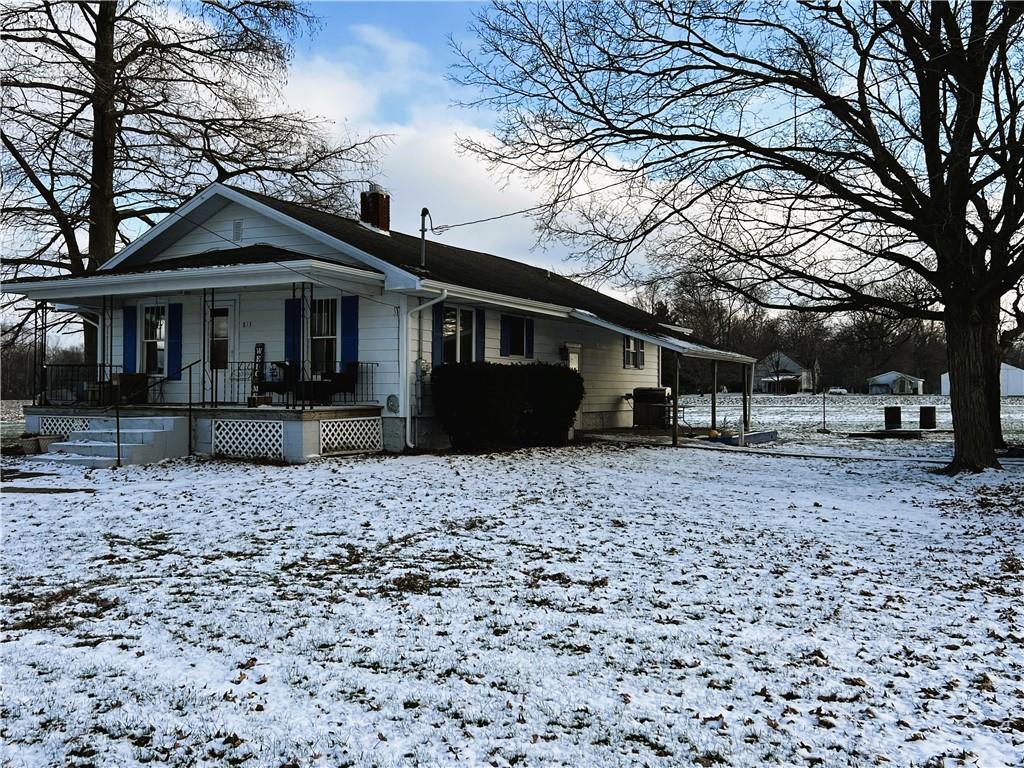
337, 328
633, 354
143, 340
511, 354
459, 309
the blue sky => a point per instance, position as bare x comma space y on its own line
381, 68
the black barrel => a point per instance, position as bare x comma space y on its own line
927, 419
893, 417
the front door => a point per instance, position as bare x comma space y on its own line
221, 379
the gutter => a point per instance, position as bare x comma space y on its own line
419, 356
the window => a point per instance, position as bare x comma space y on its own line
154, 338
516, 336
219, 338
457, 335
236, 230
632, 352
323, 334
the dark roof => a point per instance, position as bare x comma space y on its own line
469, 269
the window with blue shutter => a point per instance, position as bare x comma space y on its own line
129, 338
437, 336
293, 331
174, 323
481, 323
516, 336
349, 329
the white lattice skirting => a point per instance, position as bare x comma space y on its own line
248, 439
350, 435
61, 425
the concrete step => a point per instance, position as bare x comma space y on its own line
91, 448
138, 422
95, 462
137, 436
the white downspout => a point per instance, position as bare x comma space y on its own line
408, 402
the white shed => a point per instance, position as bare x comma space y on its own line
895, 383
1011, 381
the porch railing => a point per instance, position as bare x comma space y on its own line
283, 383
78, 384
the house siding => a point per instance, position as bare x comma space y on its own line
259, 318
216, 234
604, 377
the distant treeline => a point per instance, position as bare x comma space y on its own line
848, 347
16, 366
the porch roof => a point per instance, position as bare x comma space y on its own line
231, 268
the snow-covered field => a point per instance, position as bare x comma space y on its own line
797, 419
598, 605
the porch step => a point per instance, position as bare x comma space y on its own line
144, 440
94, 462
133, 436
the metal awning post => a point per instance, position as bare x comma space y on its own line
748, 386
675, 404
714, 394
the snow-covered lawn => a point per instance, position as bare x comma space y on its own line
797, 419
591, 606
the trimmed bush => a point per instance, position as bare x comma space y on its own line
486, 405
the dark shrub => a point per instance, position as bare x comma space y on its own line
484, 405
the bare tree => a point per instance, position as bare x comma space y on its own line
823, 156
115, 112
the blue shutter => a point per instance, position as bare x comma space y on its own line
293, 331
349, 329
129, 338
481, 324
625, 351
529, 336
174, 342
437, 336
504, 336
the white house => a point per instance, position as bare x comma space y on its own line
779, 374
1011, 381
895, 383
272, 329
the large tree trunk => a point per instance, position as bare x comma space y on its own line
102, 222
993, 361
969, 372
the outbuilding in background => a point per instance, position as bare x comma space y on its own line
895, 383
1011, 381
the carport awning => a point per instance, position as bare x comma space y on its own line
684, 348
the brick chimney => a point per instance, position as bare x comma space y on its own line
375, 208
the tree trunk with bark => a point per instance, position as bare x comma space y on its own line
967, 330
994, 359
102, 210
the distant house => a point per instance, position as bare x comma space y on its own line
1011, 381
779, 374
895, 383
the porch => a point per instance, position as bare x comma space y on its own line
109, 436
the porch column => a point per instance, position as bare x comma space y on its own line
675, 404
714, 394
748, 385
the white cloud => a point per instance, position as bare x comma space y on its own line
389, 85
